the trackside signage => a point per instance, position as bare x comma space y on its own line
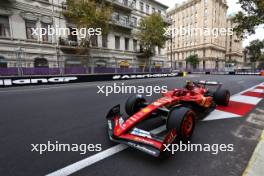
40, 80
17, 82
142, 76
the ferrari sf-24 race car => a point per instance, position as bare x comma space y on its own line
178, 109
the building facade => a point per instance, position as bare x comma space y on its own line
234, 49
208, 37
19, 47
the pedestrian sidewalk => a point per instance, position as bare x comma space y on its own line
256, 164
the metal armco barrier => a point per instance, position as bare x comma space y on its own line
42, 80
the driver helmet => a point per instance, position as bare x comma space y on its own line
189, 85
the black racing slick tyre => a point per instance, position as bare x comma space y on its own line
134, 104
222, 97
183, 120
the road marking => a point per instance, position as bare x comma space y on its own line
260, 87
245, 99
75, 167
258, 90
89, 161
254, 94
255, 165
215, 115
237, 108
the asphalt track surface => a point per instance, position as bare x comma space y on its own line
75, 114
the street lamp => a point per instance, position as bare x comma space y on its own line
18, 53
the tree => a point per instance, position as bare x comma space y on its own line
6, 2
261, 61
251, 17
254, 51
193, 60
151, 34
89, 14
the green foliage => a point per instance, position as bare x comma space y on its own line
193, 60
151, 33
89, 14
254, 50
251, 17
6, 2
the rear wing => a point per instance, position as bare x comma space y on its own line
209, 83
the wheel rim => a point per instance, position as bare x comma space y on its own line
187, 126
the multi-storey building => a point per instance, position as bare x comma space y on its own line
210, 48
234, 49
19, 47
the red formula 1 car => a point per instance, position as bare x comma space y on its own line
177, 110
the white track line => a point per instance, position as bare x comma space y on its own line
217, 114
245, 99
75, 167
257, 90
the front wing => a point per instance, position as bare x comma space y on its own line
142, 140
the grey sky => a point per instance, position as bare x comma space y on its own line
233, 8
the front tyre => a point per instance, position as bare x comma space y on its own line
134, 104
183, 120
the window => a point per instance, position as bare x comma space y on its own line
104, 41
135, 45
30, 25
125, 2
147, 8
117, 42
134, 3
94, 40
46, 37
141, 6
3, 63
4, 26
159, 11
134, 21
71, 36
127, 44
153, 10
41, 63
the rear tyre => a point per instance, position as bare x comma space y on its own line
183, 120
134, 104
222, 97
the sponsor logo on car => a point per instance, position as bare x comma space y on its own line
144, 149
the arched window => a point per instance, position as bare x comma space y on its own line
100, 63
41, 62
3, 62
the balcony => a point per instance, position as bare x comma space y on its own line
70, 47
122, 4
123, 23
